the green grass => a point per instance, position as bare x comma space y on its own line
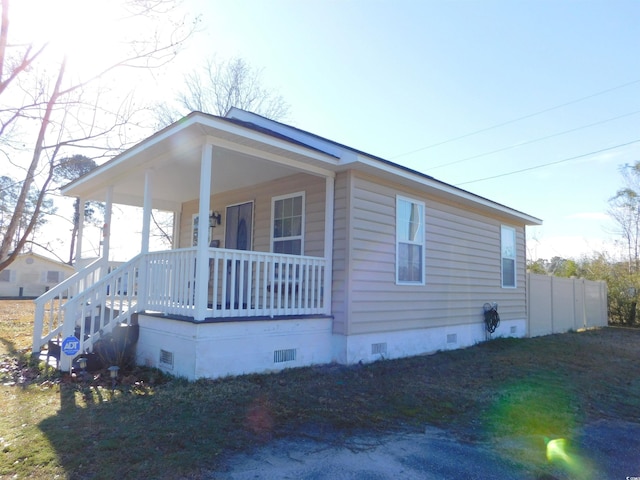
155, 426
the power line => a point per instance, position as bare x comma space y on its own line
539, 139
550, 163
524, 117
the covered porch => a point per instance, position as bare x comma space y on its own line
257, 259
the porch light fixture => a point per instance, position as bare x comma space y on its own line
215, 219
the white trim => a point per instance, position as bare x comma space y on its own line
421, 243
303, 219
147, 211
202, 252
504, 228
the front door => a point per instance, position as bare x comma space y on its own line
238, 236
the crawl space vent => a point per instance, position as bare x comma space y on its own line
452, 338
166, 359
513, 329
288, 355
379, 348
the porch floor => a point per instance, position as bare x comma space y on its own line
265, 318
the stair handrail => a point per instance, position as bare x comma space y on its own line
98, 292
71, 286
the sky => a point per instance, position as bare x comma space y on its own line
531, 104
468, 92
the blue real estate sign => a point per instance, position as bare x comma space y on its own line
70, 345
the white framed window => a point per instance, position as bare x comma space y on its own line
195, 218
508, 256
410, 237
287, 232
6, 276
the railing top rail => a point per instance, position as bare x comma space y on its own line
68, 282
102, 282
286, 256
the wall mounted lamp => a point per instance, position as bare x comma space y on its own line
215, 219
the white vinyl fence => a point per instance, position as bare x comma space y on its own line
557, 305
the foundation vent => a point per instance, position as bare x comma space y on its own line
288, 355
513, 329
379, 348
166, 359
452, 338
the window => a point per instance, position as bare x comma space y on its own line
409, 241
288, 224
53, 276
5, 276
508, 248
194, 230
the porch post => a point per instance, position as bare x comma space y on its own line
143, 291
106, 230
176, 229
146, 212
328, 241
202, 254
78, 262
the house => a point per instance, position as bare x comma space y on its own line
31, 275
313, 252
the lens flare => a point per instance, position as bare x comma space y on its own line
557, 451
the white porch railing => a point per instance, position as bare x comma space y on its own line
241, 284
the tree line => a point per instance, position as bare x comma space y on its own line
620, 272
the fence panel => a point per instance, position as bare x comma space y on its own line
557, 305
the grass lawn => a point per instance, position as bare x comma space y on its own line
155, 426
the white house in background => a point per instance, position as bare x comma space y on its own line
313, 252
31, 275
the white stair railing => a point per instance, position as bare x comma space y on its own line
87, 307
49, 311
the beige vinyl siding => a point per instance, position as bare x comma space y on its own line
261, 195
340, 293
462, 265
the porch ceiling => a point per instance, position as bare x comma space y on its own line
173, 156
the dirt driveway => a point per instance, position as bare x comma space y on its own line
602, 450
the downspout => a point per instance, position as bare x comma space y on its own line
202, 253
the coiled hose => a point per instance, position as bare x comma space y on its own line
491, 317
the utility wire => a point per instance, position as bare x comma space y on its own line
539, 139
550, 163
524, 117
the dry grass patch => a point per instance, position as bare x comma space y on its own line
154, 426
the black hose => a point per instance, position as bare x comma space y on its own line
491, 317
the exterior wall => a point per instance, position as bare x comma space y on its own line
28, 273
463, 265
213, 350
261, 195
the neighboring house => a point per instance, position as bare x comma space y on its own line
314, 252
31, 275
